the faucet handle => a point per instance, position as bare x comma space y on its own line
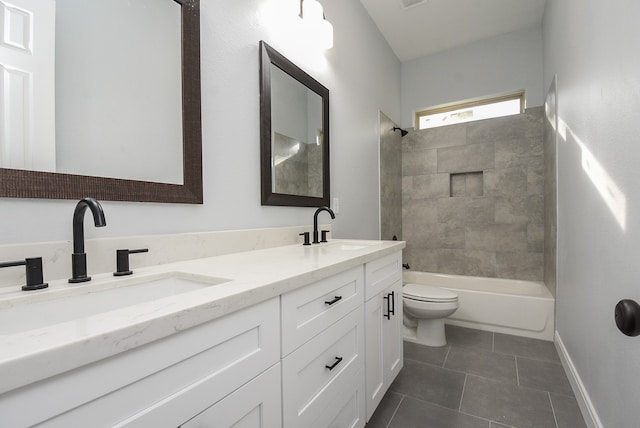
306, 238
323, 235
33, 266
122, 261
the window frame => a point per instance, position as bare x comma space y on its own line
468, 104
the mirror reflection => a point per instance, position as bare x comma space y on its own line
296, 123
94, 98
101, 97
118, 89
294, 134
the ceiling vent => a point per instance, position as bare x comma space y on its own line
406, 4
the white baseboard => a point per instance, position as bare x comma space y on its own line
582, 396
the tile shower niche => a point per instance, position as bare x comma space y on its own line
466, 184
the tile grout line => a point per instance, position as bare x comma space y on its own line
446, 356
553, 410
515, 357
475, 417
430, 403
485, 419
396, 410
438, 366
493, 341
464, 385
508, 426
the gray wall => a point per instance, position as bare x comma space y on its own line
473, 198
363, 76
493, 66
390, 180
591, 46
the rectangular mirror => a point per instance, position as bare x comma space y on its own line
294, 134
101, 99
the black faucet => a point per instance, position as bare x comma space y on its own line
79, 258
315, 222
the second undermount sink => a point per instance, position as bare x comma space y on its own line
352, 245
84, 301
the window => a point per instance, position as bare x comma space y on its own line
471, 110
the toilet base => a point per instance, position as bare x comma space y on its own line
410, 334
431, 332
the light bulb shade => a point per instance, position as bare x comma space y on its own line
312, 10
326, 34
319, 29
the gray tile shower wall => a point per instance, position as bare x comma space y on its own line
299, 169
550, 195
473, 197
390, 180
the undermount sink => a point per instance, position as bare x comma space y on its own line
349, 247
352, 246
83, 301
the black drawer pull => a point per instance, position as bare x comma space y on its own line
333, 366
335, 300
389, 312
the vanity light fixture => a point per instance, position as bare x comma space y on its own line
314, 20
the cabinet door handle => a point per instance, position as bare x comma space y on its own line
333, 366
392, 310
336, 299
388, 299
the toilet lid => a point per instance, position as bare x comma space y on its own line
428, 293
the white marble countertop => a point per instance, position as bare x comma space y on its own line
251, 277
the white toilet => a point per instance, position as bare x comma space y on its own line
425, 308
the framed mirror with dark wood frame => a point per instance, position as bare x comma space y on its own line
22, 183
294, 134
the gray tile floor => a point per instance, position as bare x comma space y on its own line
480, 379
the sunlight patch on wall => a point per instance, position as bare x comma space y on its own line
609, 191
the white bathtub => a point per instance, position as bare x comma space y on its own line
521, 308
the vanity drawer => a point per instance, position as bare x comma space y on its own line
163, 383
256, 404
322, 369
347, 410
310, 309
382, 273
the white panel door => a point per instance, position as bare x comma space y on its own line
383, 343
27, 84
374, 348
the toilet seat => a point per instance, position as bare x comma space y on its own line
428, 293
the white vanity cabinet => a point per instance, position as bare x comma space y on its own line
163, 384
383, 319
321, 355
